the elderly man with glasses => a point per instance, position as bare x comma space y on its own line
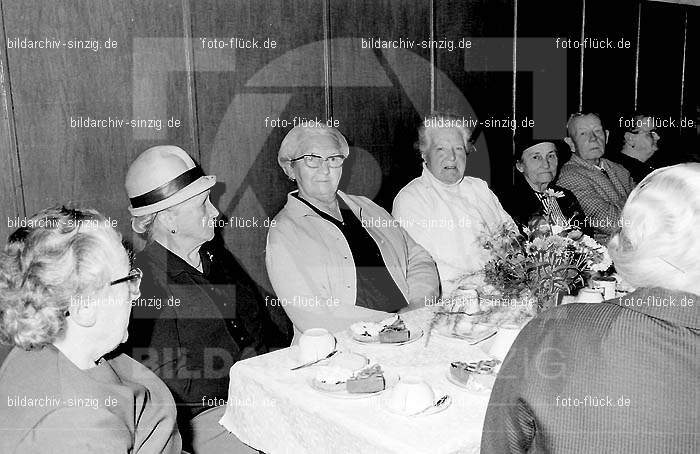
333, 258
600, 185
639, 141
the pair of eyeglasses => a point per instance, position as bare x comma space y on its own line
134, 279
651, 132
314, 161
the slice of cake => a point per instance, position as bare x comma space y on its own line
368, 380
396, 332
464, 372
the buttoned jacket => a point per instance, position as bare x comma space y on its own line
601, 197
312, 270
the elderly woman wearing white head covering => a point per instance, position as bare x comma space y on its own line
200, 312
333, 258
445, 211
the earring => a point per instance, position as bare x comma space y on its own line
172, 231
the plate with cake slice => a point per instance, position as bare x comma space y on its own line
477, 377
464, 329
390, 331
343, 383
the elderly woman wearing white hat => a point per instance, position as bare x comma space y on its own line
199, 312
66, 289
333, 258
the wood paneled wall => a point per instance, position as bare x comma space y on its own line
226, 100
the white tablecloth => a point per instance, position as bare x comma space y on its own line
275, 410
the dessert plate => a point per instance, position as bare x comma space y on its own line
413, 335
473, 333
471, 386
390, 378
385, 405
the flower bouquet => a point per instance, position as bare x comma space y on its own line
526, 274
544, 262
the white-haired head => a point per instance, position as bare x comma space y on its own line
658, 244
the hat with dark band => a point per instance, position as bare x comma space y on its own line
162, 177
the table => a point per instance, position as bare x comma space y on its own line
274, 410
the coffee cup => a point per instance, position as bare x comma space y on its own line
410, 395
589, 295
315, 344
606, 285
466, 298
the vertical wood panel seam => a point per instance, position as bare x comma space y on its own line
580, 69
636, 58
327, 75
433, 60
514, 90
685, 49
188, 29
9, 107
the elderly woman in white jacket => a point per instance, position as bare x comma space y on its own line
446, 212
335, 259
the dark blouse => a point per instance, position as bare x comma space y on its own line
637, 169
376, 288
522, 203
190, 327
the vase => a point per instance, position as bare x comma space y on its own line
553, 300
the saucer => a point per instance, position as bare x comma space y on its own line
472, 388
384, 403
473, 333
390, 379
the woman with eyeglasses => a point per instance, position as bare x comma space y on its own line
333, 258
445, 211
65, 298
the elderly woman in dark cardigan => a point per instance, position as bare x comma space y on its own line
535, 196
65, 295
199, 312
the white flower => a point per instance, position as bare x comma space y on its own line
592, 244
549, 192
604, 263
557, 229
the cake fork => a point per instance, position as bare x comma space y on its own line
314, 362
